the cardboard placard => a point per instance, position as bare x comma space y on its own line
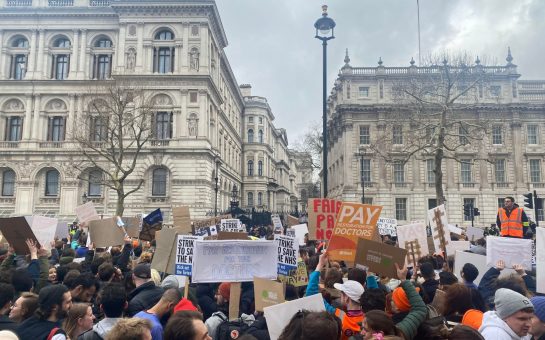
267, 293
181, 219
322, 214
277, 223
234, 260
132, 226
86, 213
288, 252
16, 230
387, 226
184, 254
208, 222
206, 231
454, 229
164, 258
510, 250
413, 238
44, 229
298, 277
354, 221
540, 260
105, 233
454, 246
226, 235
379, 257
292, 220
278, 316
300, 231
474, 233
148, 232
437, 218
62, 230
231, 225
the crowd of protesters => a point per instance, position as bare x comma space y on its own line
80, 293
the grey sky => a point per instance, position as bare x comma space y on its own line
272, 44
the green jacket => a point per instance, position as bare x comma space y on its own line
409, 325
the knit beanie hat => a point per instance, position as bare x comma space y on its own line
184, 304
400, 299
539, 306
508, 302
473, 318
225, 290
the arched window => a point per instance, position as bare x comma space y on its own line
8, 183
94, 188
159, 182
250, 168
60, 65
103, 43
250, 199
259, 198
20, 43
260, 136
14, 128
62, 43
102, 58
164, 35
19, 58
99, 128
52, 183
250, 135
260, 168
163, 56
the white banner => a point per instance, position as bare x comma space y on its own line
288, 252
416, 235
387, 226
510, 250
234, 260
454, 246
184, 254
300, 231
474, 233
540, 259
231, 225
437, 218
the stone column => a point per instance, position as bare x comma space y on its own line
39, 73
2, 54
75, 54
31, 61
82, 55
205, 41
182, 118
36, 118
121, 47
28, 117
139, 47
178, 58
517, 153
71, 121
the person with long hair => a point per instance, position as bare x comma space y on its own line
80, 319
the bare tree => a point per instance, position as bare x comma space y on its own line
436, 114
112, 135
311, 143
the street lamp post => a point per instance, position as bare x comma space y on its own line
362, 174
324, 32
234, 200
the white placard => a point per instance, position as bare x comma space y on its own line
231, 225
184, 254
474, 233
479, 261
415, 233
540, 259
87, 212
300, 231
455, 246
437, 218
44, 228
510, 250
288, 252
234, 260
454, 229
387, 226
278, 316
277, 223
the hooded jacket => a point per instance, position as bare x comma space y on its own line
495, 328
100, 330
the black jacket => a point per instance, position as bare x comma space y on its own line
36, 329
429, 287
206, 298
6, 324
144, 297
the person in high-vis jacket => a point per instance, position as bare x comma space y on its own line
511, 219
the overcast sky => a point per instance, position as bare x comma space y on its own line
272, 44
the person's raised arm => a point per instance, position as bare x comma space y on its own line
417, 314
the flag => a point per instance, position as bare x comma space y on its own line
154, 217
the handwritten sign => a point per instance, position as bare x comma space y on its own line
288, 251
510, 250
540, 260
440, 232
87, 212
387, 226
298, 277
277, 223
413, 238
231, 225
184, 254
354, 221
234, 260
300, 231
322, 214
474, 233
181, 219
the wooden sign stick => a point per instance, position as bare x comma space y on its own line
234, 300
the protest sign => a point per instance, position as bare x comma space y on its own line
540, 260
44, 229
105, 232
379, 257
454, 246
267, 293
510, 250
196, 224
413, 238
181, 219
291, 233
132, 226
479, 261
62, 229
288, 252
153, 217
354, 221
234, 260
277, 223
148, 231
164, 258
298, 277
232, 225
86, 212
322, 214
206, 231
184, 254
292, 220
437, 218
278, 316
473, 233
228, 235
300, 231
16, 230
454, 229
387, 226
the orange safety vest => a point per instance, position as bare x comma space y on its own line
351, 325
511, 225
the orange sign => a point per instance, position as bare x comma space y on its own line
354, 221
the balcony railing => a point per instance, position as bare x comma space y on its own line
9, 145
18, 3
159, 142
50, 200
51, 145
503, 185
99, 3
158, 199
400, 184
7, 200
467, 185
538, 185
60, 3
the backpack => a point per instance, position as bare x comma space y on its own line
230, 330
432, 327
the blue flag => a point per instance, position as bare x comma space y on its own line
153, 217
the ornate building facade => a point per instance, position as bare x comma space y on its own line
507, 162
52, 51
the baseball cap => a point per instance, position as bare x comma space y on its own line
142, 270
353, 289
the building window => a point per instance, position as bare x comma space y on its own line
465, 170
8, 183
14, 128
18, 66
164, 35
501, 202
430, 170
94, 188
365, 170
159, 182
55, 129
163, 56
499, 170
495, 91
250, 199
471, 202
432, 203
260, 136
20, 43
365, 137
532, 134
260, 120
250, 135
540, 214
497, 135
61, 66
401, 209
260, 168
250, 119
103, 43
535, 170
52, 183
99, 129
62, 43
364, 91
163, 125
193, 96
462, 135
102, 66
259, 198
250, 168
368, 200
397, 134
399, 172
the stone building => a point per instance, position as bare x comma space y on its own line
53, 51
507, 162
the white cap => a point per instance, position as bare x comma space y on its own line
353, 289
